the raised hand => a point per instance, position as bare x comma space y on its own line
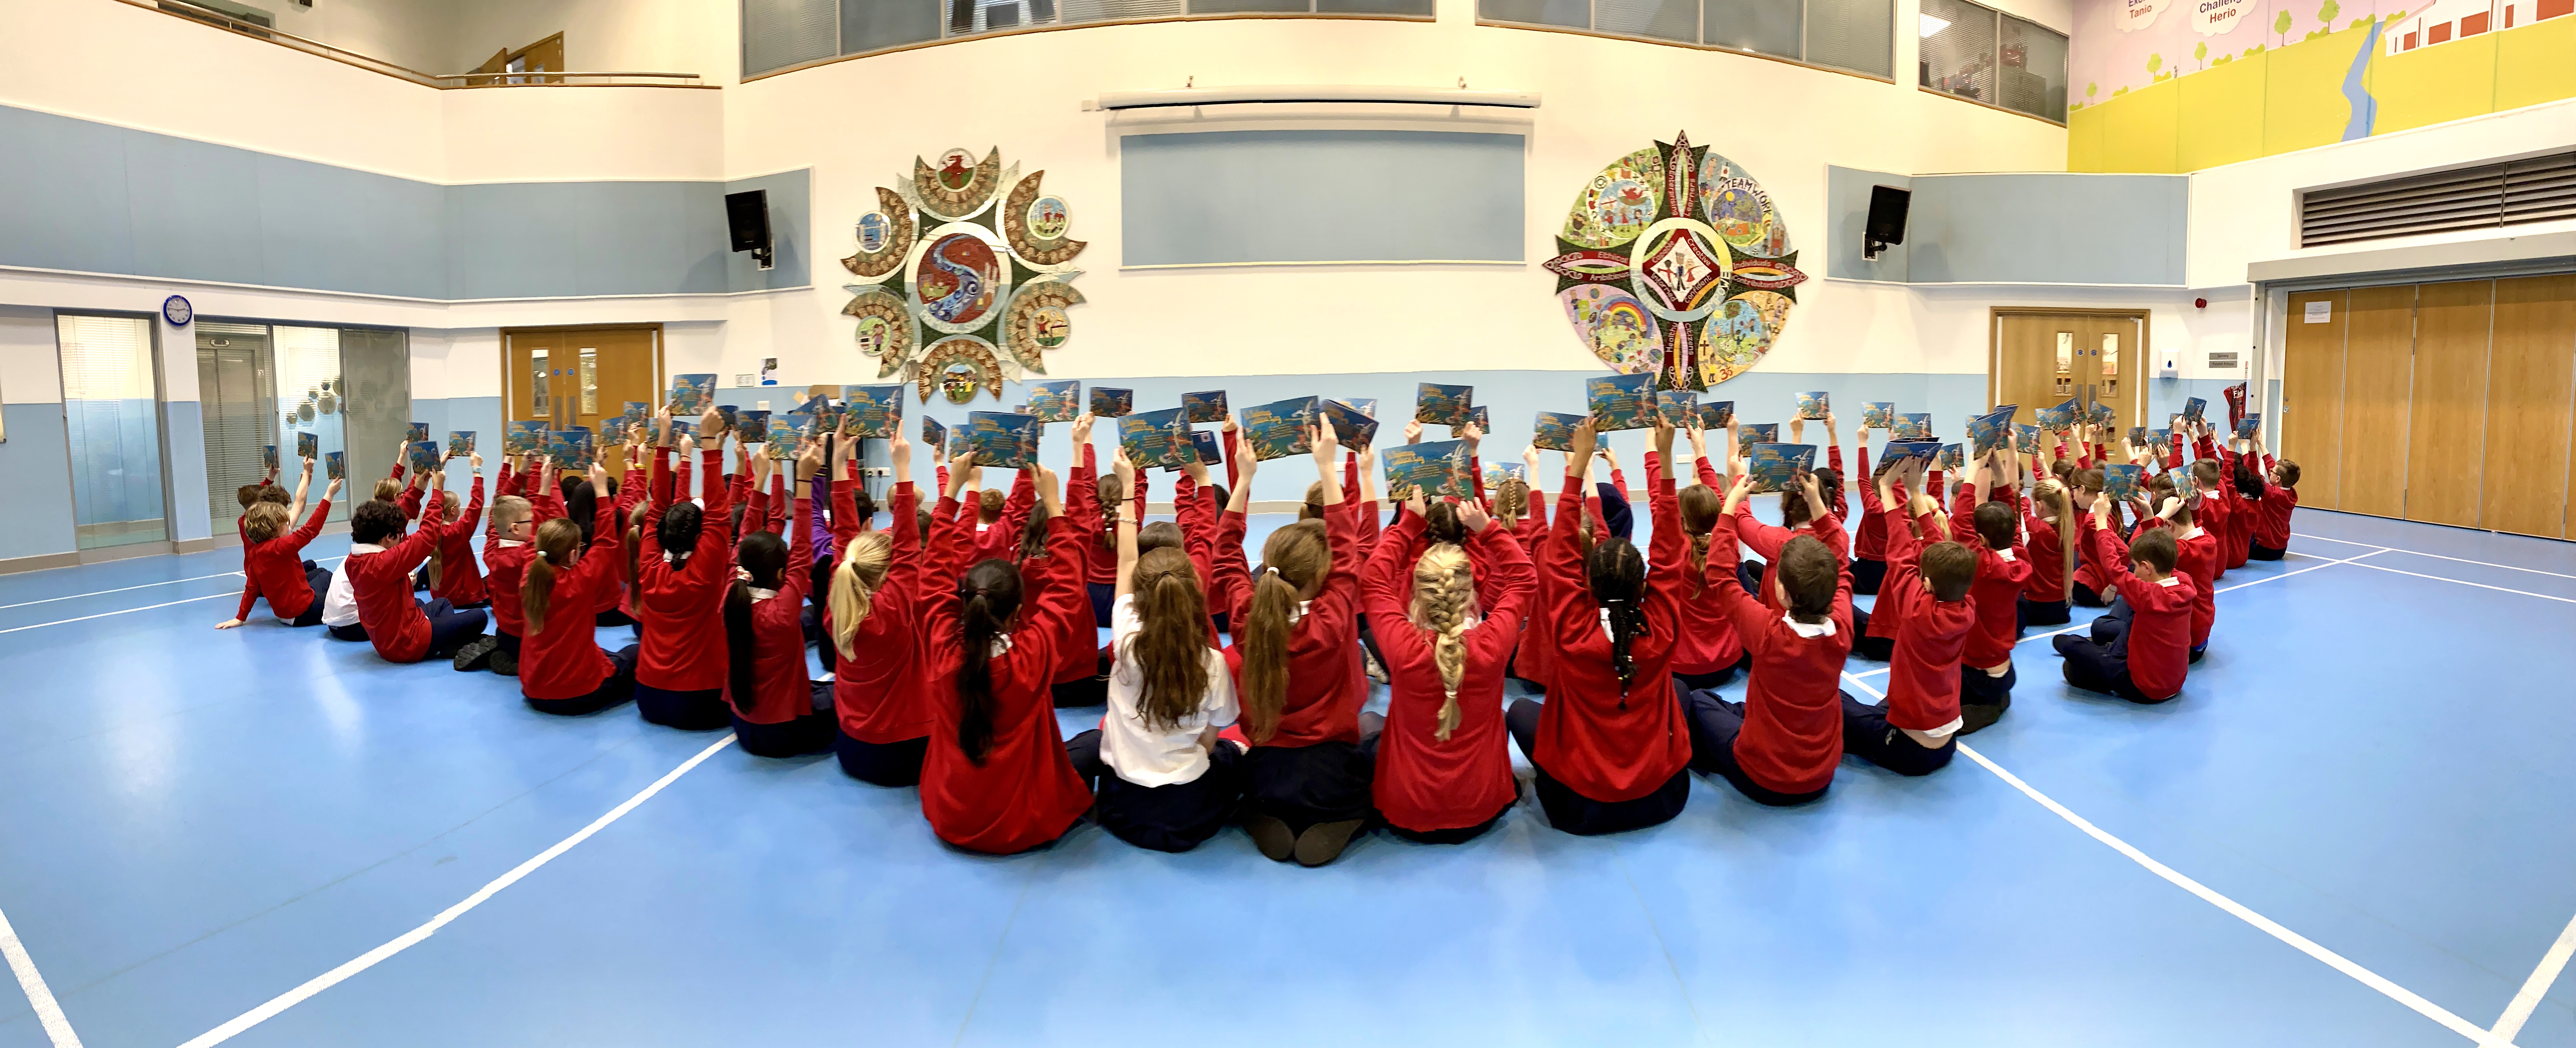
1472, 514
1082, 432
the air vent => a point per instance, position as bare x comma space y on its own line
2540, 189
2223, 360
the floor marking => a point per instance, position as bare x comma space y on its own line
2437, 556
2515, 1014
128, 611
2464, 582
49, 1013
412, 938
101, 593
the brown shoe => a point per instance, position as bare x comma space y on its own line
1271, 836
1323, 842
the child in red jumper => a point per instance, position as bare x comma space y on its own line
2146, 660
1780, 745
273, 564
380, 579
561, 667
1992, 529
876, 595
777, 710
2271, 533
1708, 653
682, 574
506, 550
1926, 599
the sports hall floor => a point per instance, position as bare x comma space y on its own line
2353, 829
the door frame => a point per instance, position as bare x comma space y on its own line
1995, 345
509, 375
170, 540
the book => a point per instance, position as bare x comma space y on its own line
691, 393
1679, 408
1951, 457
1716, 414
1440, 404
816, 415
1278, 429
2138, 436
1156, 438
1989, 432
335, 466
752, 427
423, 455
268, 456
307, 445
1878, 414
2121, 481
1006, 439
2249, 426
2026, 437
637, 413
1555, 430
680, 430
1498, 472
1364, 405
2062, 417
1751, 433
1351, 426
1776, 467
2184, 487
1813, 407
419, 432
1107, 402
1203, 444
2235, 396
1912, 425
2161, 440
784, 430
1621, 402
1204, 407
1895, 453
1055, 401
2100, 414
525, 437
1481, 418
2193, 408
460, 442
570, 450
935, 437
1438, 469
875, 412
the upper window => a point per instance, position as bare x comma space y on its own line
1977, 52
1857, 35
777, 34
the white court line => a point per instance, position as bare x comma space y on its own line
121, 589
2437, 556
2509, 1025
49, 1012
412, 938
2302, 943
2464, 582
147, 607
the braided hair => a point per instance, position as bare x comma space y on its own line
1617, 575
1444, 591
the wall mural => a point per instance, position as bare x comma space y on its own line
964, 275
1674, 262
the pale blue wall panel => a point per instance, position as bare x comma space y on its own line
514, 240
790, 220
1320, 196
35, 470
186, 425
2047, 229
195, 206
62, 194
629, 236
1847, 194
344, 230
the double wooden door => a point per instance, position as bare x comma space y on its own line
2449, 403
2041, 359
576, 376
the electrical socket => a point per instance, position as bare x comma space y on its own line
875, 471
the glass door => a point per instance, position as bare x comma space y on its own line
112, 415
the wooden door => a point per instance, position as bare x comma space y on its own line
2531, 369
2447, 426
2042, 359
2379, 344
577, 376
2310, 429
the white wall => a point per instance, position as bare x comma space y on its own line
30, 372
413, 34
602, 36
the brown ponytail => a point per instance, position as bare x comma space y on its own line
1700, 506
1295, 557
988, 596
1171, 648
558, 543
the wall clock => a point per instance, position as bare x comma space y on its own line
177, 311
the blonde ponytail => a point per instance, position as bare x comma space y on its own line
1444, 590
855, 580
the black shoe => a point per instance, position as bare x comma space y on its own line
476, 653
1323, 842
504, 663
1271, 836
1975, 717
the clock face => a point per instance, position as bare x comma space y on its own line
176, 310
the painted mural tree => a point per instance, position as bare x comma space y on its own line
2281, 26
2200, 52
2155, 62
2326, 15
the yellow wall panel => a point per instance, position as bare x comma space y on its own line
2432, 84
2084, 139
2535, 63
2220, 114
2139, 134
2303, 97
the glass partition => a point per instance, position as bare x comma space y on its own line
112, 415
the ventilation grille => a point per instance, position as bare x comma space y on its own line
2540, 189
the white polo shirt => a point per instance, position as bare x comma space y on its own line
1141, 754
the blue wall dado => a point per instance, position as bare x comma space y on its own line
2041, 228
34, 471
96, 198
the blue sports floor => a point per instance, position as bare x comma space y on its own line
2353, 829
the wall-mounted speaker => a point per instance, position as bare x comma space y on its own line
1886, 225
747, 218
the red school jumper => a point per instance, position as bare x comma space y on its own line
1793, 712
880, 691
506, 561
1923, 673
1423, 782
1708, 641
780, 690
1025, 792
2160, 629
1604, 740
2198, 558
275, 569
2272, 528
381, 584
1327, 681
682, 609
563, 660
2001, 575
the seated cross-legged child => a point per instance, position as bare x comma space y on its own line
2271, 533
506, 551
273, 564
777, 710
562, 669
1926, 599
1781, 744
379, 577
2146, 656
1993, 530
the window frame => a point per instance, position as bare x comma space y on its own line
1722, 49
741, 7
1995, 57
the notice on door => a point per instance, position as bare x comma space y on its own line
2321, 311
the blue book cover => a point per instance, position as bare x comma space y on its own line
819, 415
1621, 402
460, 442
1278, 429
2062, 417
1156, 438
1440, 404
1203, 444
2249, 426
1555, 430
525, 437
307, 445
2028, 435
637, 413
1059, 401
2100, 414
419, 432
2138, 436
1716, 414
1777, 466
785, 430
1110, 402
691, 393
1912, 425
752, 427
2161, 440
935, 437
1351, 426
1366, 406
1896, 452
570, 450
1679, 408
1878, 414
1991, 431
335, 466
1006, 439
1498, 472
1480, 418
1813, 407
2192, 409
729, 414
2184, 488
424, 456
1752, 433
1436, 469
875, 412
2121, 481
1951, 457
268, 456
680, 430
1204, 407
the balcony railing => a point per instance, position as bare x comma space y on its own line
442, 81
